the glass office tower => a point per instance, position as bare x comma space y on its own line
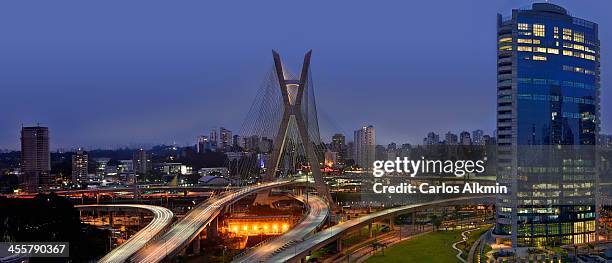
547, 125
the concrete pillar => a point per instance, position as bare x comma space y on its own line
391, 222
196, 245
339, 245
212, 229
370, 233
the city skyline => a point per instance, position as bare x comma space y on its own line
93, 92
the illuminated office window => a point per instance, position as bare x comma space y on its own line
524, 41
568, 53
587, 49
523, 48
539, 49
567, 34
536, 41
553, 51
579, 37
523, 26
505, 48
538, 30
539, 58
505, 39
579, 47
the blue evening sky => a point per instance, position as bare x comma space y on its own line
115, 73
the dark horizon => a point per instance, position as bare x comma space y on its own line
137, 73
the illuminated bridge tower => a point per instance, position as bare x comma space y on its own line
293, 97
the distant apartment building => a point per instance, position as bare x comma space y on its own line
478, 137
338, 145
431, 139
225, 137
203, 144
141, 162
451, 139
465, 139
214, 138
80, 162
35, 158
364, 146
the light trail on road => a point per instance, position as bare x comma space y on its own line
186, 229
162, 217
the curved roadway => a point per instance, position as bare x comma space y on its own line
320, 239
162, 217
186, 229
318, 212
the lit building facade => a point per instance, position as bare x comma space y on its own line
80, 164
547, 125
364, 146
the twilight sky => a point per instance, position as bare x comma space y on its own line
116, 73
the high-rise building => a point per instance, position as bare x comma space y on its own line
364, 146
405, 150
380, 152
477, 137
392, 151
141, 162
214, 139
35, 158
203, 144
80, 164
236, 141
431, 139
338, 145
547, 99
451, 139
465, 139
350, 151
225, 137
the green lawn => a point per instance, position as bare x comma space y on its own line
433, 247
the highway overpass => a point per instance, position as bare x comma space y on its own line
162, 218
318, 211
188, 229
300, 250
